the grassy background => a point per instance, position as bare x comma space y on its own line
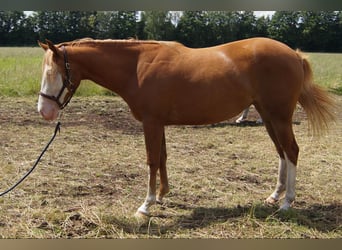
20, 71
327, 70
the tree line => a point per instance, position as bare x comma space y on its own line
307, 30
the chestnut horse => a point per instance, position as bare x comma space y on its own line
167, 83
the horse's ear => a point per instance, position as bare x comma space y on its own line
52, 47
43, 45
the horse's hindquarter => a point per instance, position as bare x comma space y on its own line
198, 86
276, 75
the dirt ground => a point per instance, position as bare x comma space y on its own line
93, 177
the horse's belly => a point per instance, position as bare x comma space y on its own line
199, 114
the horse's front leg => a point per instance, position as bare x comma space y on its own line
153, 132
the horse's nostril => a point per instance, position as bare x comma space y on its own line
43, 114
49, 116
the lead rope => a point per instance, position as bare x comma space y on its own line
57, 129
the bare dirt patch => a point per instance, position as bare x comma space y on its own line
93, 177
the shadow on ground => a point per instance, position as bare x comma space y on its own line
324, 218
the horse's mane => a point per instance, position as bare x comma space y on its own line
87, 41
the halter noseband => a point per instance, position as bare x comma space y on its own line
67, 84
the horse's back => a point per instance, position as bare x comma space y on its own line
207, 85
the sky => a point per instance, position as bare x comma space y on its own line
263, 13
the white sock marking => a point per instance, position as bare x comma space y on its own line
290, 184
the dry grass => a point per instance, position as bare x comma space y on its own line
92, 179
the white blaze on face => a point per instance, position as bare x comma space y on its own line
51, 85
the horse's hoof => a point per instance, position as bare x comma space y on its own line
142, 218
285, 206
271, 201
159, 200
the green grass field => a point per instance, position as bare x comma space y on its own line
327, 70
20, 71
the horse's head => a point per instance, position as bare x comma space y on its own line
56, 86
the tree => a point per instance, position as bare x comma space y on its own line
307, 30
140, 27
15, 28
127, 24
222, 27
116, 24
51, 25
285, 27
246, 25
321, 30
262, 24
339, 32
78, 24
207, 28
158, 25
192, 29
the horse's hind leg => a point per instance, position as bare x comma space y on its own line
164, 185
282, 169
282, 135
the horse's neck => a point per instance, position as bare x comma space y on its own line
111, 67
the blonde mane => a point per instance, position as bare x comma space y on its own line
87, 41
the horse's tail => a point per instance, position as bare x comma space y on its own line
318, 104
